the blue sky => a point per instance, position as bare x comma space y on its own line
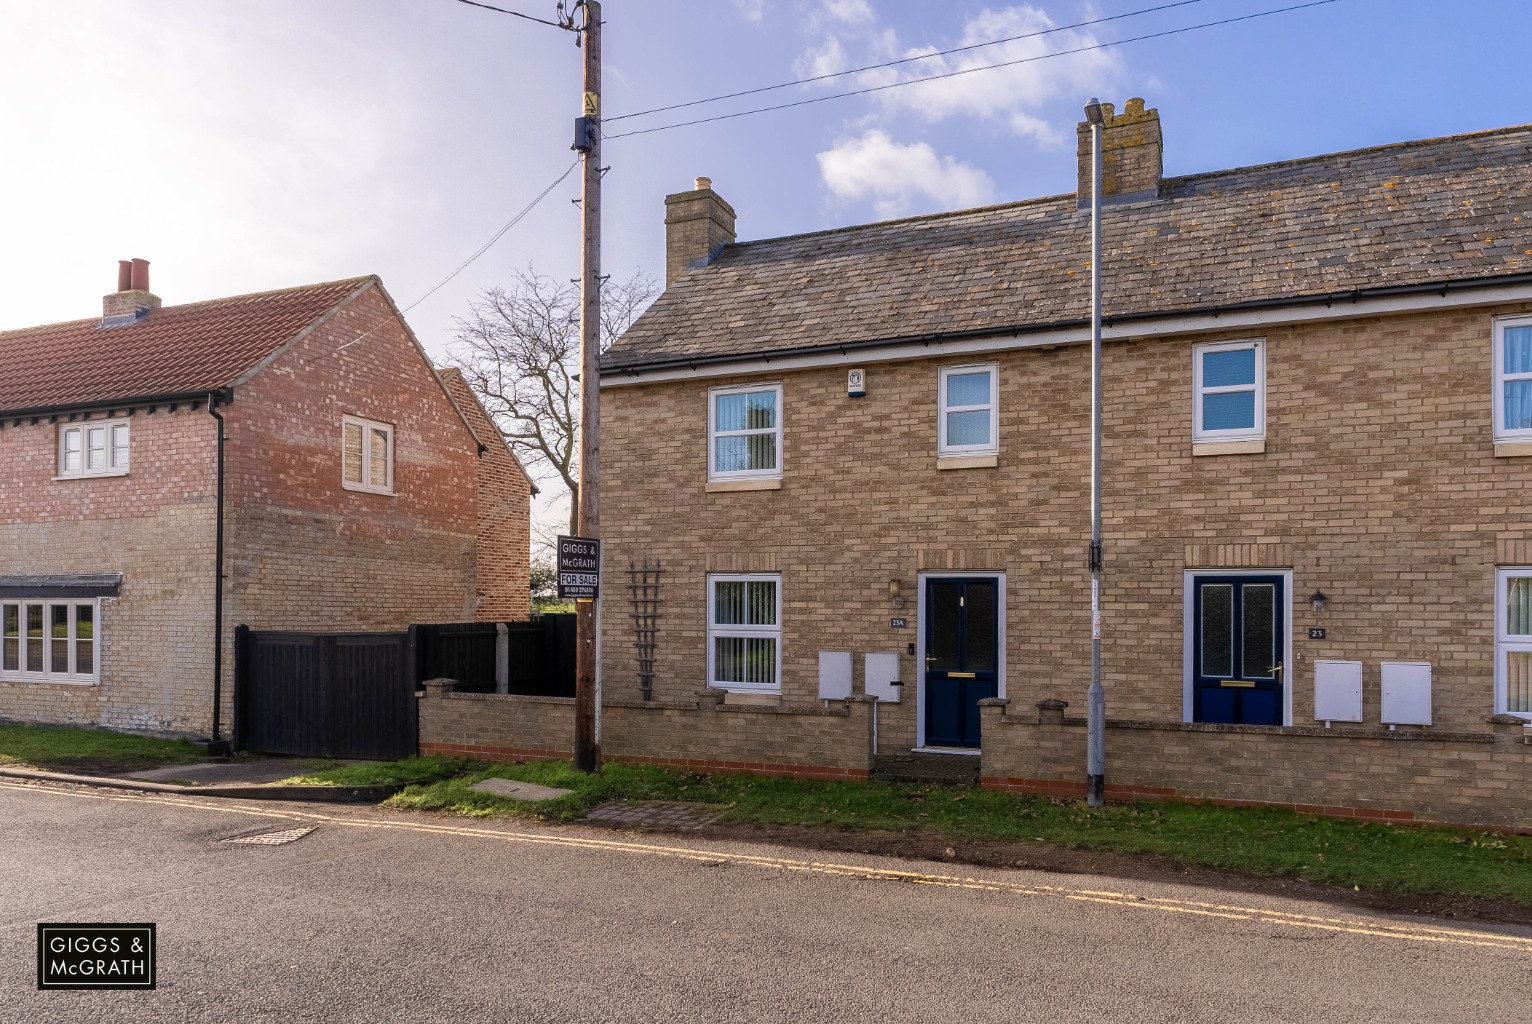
257, 145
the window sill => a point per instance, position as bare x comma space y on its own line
773, 483
967, 461
91, 476
1513, 449
46, 681
757, 700
1255, 446
358, 488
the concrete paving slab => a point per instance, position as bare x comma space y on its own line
519, 790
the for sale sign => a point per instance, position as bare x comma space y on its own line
579, 568
95, 956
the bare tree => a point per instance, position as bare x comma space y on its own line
519, 348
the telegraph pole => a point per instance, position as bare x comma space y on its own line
1095, 702
587, 747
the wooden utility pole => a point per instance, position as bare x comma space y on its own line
587, 747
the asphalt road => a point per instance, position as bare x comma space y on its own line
385, 916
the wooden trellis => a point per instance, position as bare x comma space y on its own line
644, 588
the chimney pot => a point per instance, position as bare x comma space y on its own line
698, 224
1132, 154
132, 301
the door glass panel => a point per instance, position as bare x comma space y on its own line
981, 627
85, 639
945, 610
58, 638
10, 637
1217, 629
1518, 682
34, 638
1260, 635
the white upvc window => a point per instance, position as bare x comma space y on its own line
1229, 391
93, 449
1513, 642
968, 421
744, 632
49, 641
1513, 379
744, 428
367, 455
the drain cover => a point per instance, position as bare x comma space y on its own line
290, 835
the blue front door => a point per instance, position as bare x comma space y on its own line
962, 657
1238, 631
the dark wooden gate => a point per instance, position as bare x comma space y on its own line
343, 695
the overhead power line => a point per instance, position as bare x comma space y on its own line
517, 14
902, 60
969, 71
480, 251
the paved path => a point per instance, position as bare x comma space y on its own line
383, 916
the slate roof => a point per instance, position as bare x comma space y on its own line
1448, 209
176, 350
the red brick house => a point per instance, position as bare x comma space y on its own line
356, 489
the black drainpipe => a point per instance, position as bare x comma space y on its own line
218, 746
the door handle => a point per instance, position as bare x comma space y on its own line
1276, 670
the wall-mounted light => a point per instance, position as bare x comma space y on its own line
895, 593
1318, 599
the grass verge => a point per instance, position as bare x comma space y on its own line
59, 749
1262, 841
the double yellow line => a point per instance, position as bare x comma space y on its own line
1259, 915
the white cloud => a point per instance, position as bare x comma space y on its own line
846, 12
751, 10
816, 62
895, 175
1009, 93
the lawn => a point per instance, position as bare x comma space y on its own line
1264, 841
88, 751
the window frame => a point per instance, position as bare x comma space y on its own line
992, 447
1257, 432
1505, 642
83, 429
715, 631
713, 434
367, 426
1501, 378
71, 678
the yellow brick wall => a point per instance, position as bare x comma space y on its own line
1379, 485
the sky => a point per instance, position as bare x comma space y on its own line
263, 144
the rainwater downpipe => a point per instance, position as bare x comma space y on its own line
217, 746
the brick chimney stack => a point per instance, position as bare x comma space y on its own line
132, 301
1132, 155
698, 224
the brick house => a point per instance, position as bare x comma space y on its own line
360, 491
874, 478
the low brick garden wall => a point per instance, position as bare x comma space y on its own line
1477, 778
705, 734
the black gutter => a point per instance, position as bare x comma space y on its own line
96, 406
217, 747
1017, 330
